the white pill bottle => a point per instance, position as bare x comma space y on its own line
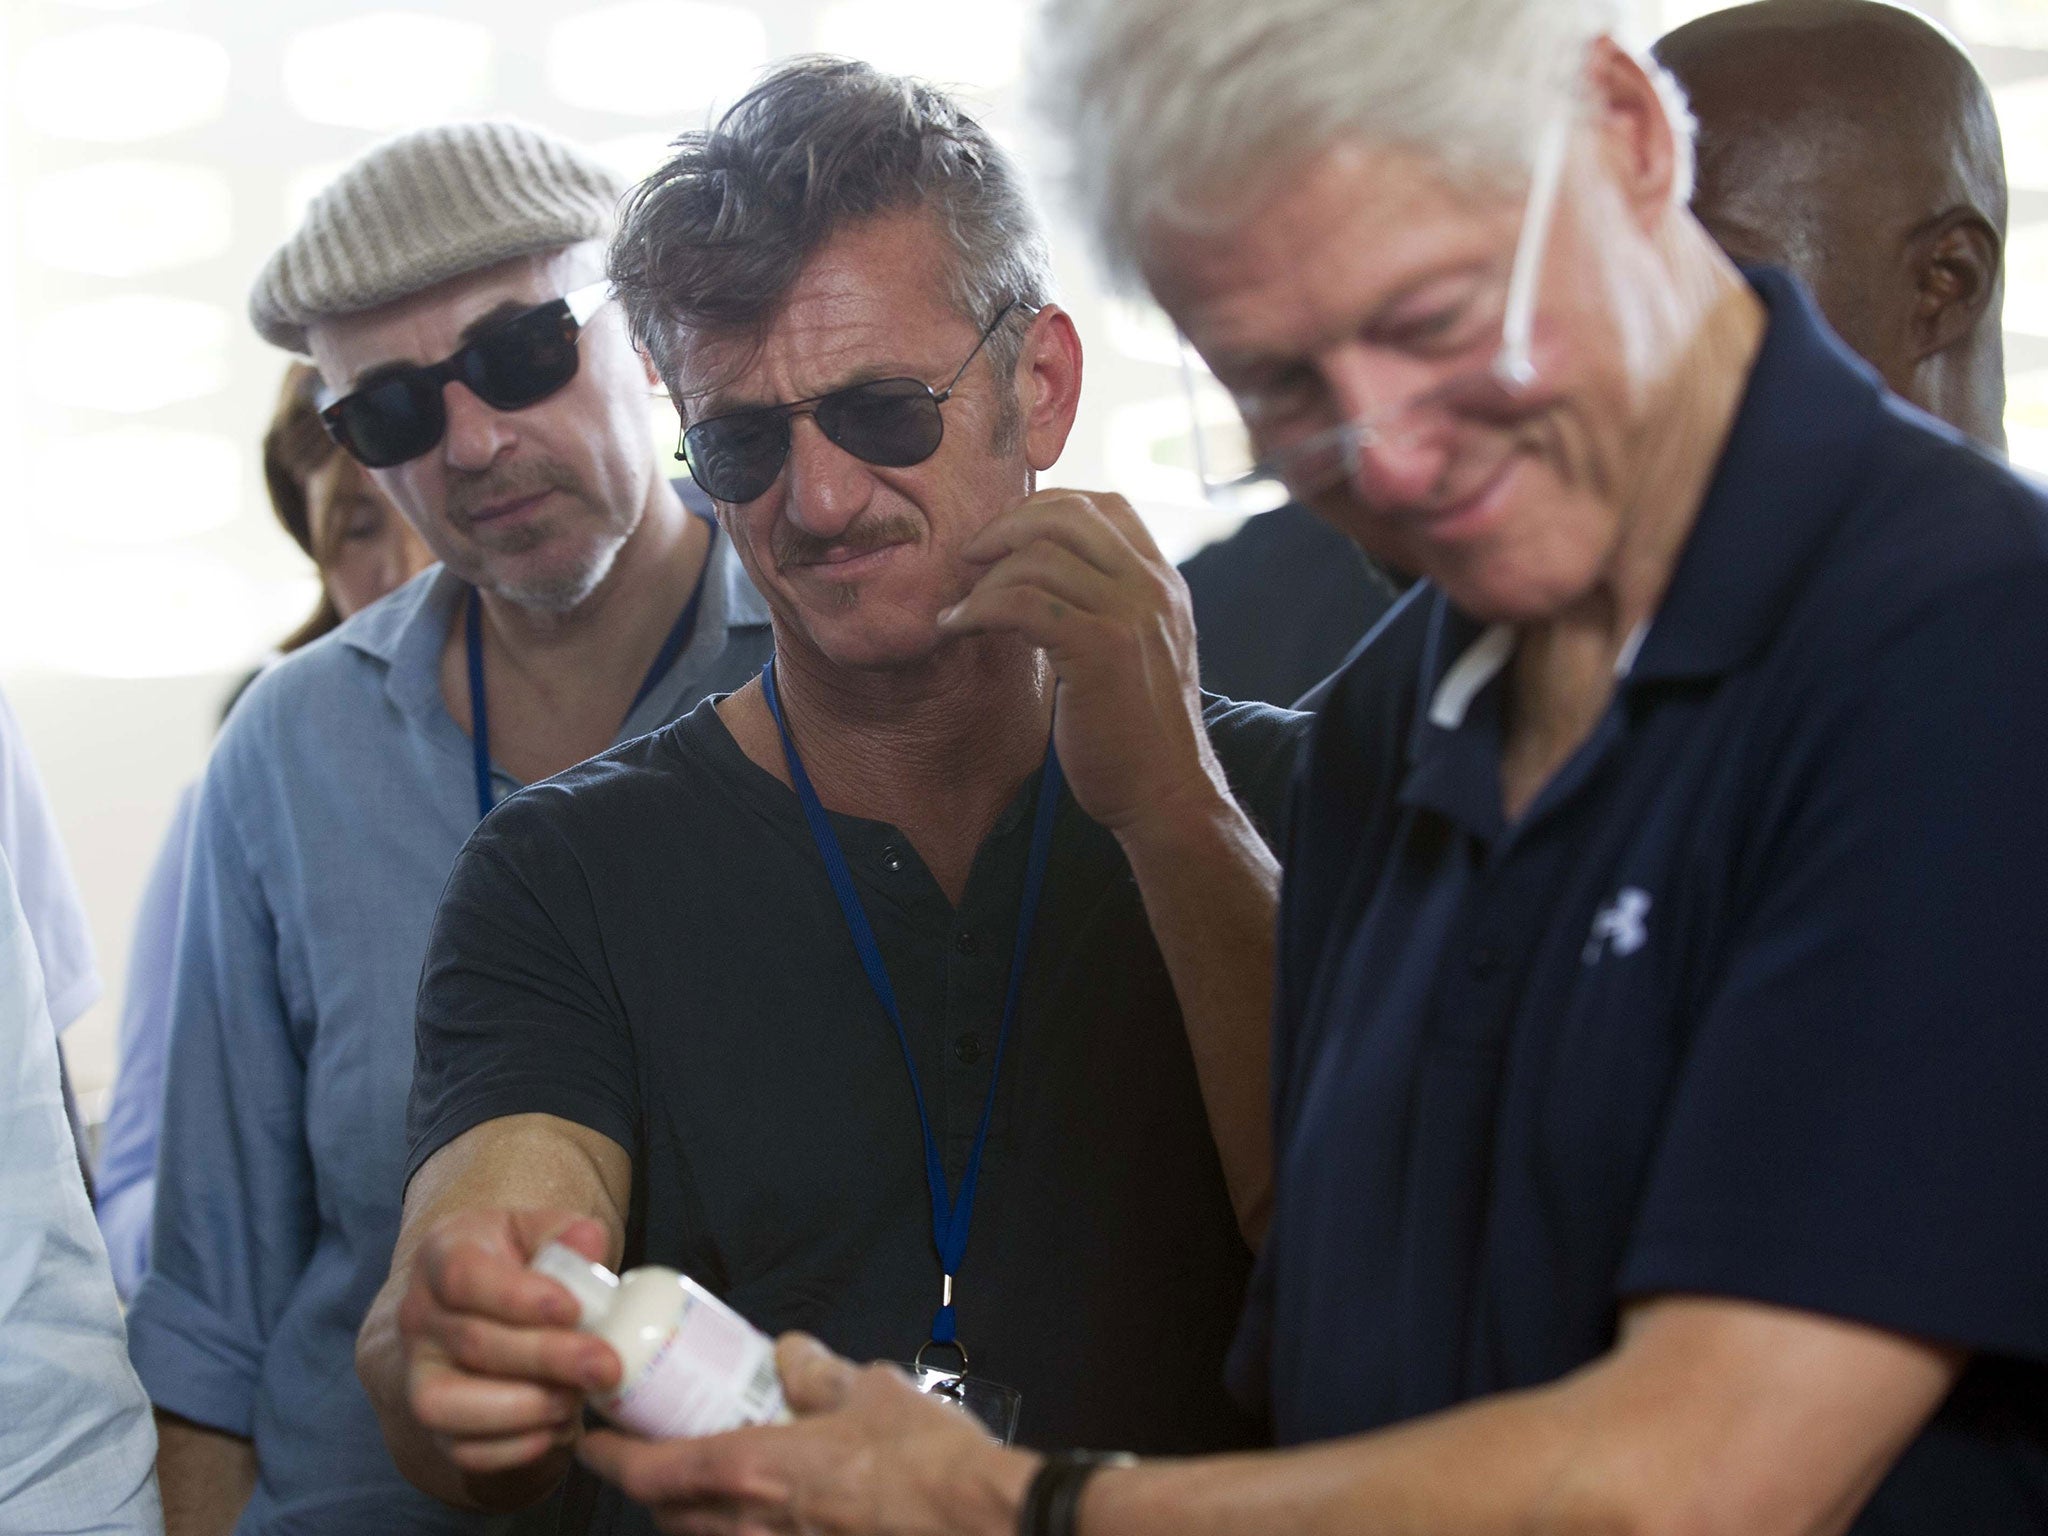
690, 1365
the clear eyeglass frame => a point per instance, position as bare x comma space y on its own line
1305, 469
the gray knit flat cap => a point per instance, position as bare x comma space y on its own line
426, 206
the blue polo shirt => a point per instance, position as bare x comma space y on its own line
1752, 1001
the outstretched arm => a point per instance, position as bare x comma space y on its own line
472, 1361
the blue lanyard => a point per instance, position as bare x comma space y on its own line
951, 1214
479, 708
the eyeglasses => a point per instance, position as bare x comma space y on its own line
891, 422
1303, 461
512, 365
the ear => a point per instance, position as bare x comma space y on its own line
1049, 385
1637, 142
1955, 264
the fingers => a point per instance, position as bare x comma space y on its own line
557, 1356
466, 1272
721, 1472
814, 1380
1101, 528
1063, 581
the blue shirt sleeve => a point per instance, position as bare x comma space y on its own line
1858, 1127
126, 1175
77, 1446
235, 1198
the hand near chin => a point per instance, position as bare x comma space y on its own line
1077, 574
868, 1454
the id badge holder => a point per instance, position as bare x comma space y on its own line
991, 1404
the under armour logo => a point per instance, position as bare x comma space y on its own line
1619, 925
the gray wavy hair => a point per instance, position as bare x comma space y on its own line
1184, 112
712, 242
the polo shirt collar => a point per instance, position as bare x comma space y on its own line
406, 630
1795, 460
1792, 464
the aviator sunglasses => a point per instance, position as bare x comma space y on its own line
518, 362
890, 422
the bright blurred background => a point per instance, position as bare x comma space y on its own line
153, 152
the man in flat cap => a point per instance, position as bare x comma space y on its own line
449, 286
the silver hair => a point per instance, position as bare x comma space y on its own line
1185, 112
710, 244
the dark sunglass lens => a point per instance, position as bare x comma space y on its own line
736, 458
522, 362
392, 421
892, 422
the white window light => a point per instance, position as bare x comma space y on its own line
634, 156
655, 58
141, 613
132, 353
83, 487
2023, 125
2000, 23
125, 218
121, 82
938, 40
2026, 279
2026, 420
387, 70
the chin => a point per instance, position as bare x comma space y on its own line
555, 585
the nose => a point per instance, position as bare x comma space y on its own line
477, 433
1400, 454
824, 487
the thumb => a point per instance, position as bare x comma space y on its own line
534, 1230
814, 1380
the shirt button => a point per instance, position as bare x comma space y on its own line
967, 1050
892, 858
1486, 962
966, 943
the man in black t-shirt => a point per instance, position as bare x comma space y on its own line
958, 912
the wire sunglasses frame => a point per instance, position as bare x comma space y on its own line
1304, 469
895, 423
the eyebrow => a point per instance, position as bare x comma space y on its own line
719, 402
489, 320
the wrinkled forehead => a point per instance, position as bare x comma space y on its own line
1345, 234
425, 327
876, 301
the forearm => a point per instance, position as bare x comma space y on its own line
205, 1476
1211, 891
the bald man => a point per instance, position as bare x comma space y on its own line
1855, 144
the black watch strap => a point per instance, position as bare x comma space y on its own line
1053, 1500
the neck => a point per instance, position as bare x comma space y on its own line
935, 750
1683, 421
1564, 666
968, 723
560, 683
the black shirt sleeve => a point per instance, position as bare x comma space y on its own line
1858, 1127
517, 1014
1258, 747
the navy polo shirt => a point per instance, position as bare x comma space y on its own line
1751, 1002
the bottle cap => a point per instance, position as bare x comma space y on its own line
591, 1284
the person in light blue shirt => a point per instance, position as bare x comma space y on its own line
76, 1443
499, 403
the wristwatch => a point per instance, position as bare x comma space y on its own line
1054, 1497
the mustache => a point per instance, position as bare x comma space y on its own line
491, 487
793, 546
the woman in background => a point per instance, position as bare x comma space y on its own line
362, 549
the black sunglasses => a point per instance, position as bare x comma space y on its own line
891, 422
517, 363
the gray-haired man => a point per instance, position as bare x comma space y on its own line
847, 291
450, 286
